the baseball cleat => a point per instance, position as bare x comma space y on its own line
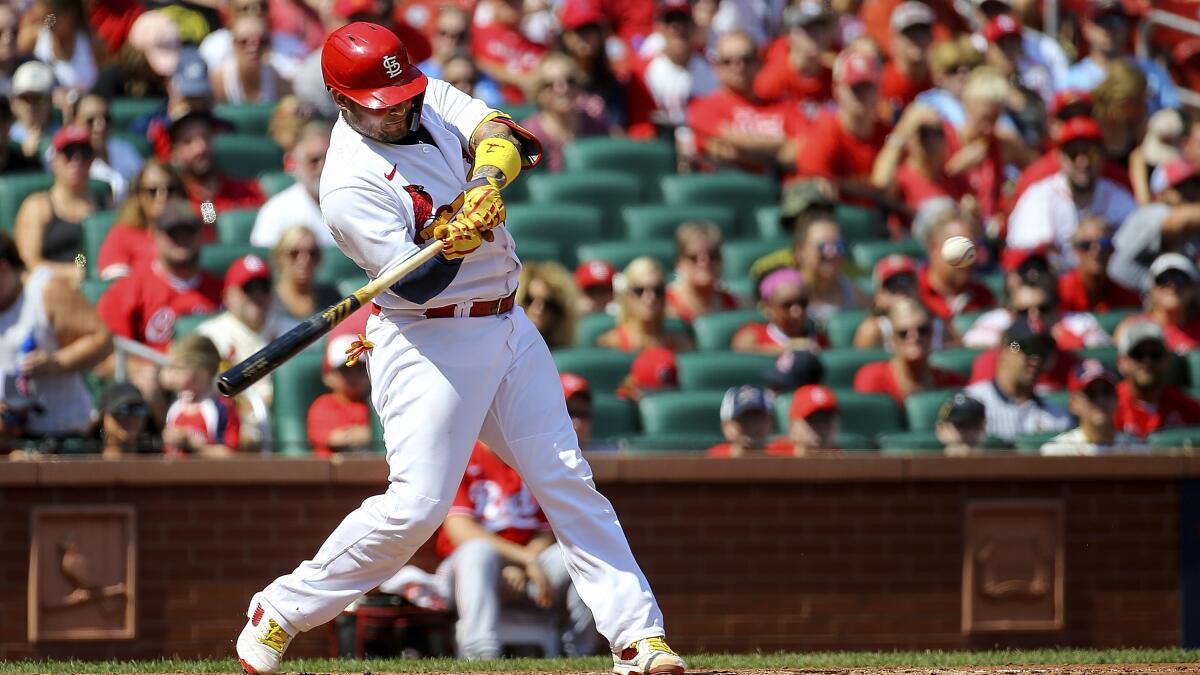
263, 641
649, 656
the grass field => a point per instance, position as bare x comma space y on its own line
823, 661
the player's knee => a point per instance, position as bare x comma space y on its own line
415, 513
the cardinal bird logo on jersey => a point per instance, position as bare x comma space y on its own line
422, 204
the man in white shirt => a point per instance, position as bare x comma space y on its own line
1050, 210
298, 204
678, 74
1093, 401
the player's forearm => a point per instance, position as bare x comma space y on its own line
492, 129
427, 281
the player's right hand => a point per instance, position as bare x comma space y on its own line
458, 239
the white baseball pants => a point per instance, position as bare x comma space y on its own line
438, 384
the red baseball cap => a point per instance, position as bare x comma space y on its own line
891, 265
655, 368
573, 384
856, 66
1013, 258
1068, 98
1171, 174
246, 269
1001, 26
579, 13
812, 398
1079, 128
70, 136
594, 273
1087, 372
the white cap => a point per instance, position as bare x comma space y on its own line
335, 350
32, 77
1174, 261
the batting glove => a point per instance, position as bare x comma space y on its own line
482, 207
458, 239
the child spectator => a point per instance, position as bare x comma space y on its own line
1145, 402
124, 421
895, 278
547, 293
595, 281
199, 422
339, 421
640, 320
961, 425
908, 371
652, 371
1172, 303
130, 242
697, 287
1093, 402
747, 421
1088, 287
785, 305
814, 423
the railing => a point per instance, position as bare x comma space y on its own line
1157, 17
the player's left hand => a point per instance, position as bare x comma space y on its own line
458, 239
483, 207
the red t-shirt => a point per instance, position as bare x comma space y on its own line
1174, 409
143, 306
493, 494
979, 296
725, 111
897, 88
780, 447
984, 368
507, 48
1049, 164
330, 412
1180, 340
985, 180
111, 20
1073, 298
232, 193
125, 249
214, 418
825, 149
766, 335
777, 80
727, 301
915, 188
631, 20
878, 377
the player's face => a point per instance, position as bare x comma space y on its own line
388, 125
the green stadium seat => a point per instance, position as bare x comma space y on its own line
274, 182
234, 225
739, 255
682, 412
297, 383
520, 111
715, 329
957, 360
995, 284
1193, 365
850, 441
16, 186
675, 443
659, 221
123, 111
335, 267
216, 258
621, 252
866, 414
246, 155
1110, 319
842, 364
591, 326
743, 192
909, 443
648, 161
742, 288
1185, 438
604, 369
1059, 398
721, 369
842, 326
92, 289
1106, 355
1031, 444
1178, 372
962, 322
613, 417
921, 408
95, 229
563, 225
860, 224
138, 141
867, 253
532, 250
247, 118
766, 222
608, 191
185, 325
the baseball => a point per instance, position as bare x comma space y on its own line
958, 251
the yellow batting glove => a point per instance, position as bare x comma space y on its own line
458, 239
483, 209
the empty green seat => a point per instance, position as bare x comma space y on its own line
532, 250
608, 191
612, 417
921, 408
591, 326
867, 253
910, 442
563, 225
1110, 319
246, 155
1193, 365
739, 255
1178, 372
957, 360
604, 369
247, 118
715, 329
14, 188
1177, 438
721, 369
679, 442
743, 192
742, 288
95, 229
274, 182
646, 160
185, 325
520, 111
848, 440
682, 412
123, 111
620, 252
335, 266
297, 383
92, 289
866, 414
860, 224
766, 222
659, 221
841, 326
234, 225
216, 258
1031, 444
842, 364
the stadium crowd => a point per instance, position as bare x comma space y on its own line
732, 243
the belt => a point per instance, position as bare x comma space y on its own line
483, 308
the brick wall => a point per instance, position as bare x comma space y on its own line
743, 554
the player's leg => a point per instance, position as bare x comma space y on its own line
475, 583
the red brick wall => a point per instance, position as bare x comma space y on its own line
815, 556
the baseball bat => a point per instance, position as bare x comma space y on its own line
238, 378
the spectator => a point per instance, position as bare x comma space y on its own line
677, 74
697, 288
595, 281
895, 279
906, 73
1027, 86
1172, 303
220, 45
1032, 296
1106, 28
945, 290
920, 139
747, 421
49, 225
1013, 407
1088, 287
199, 422
584, 39
1039, 49
732, 125
130, 242
794, 70
32, 85
821, 255
759, 18
813, 423
793, 369
546, 291
116, 160
340, 419
146, 61
981, 147
143, 305
1093, 402
298, 295
297, 205
451, 36
950, 62
1170, 224
247, 76
9, 56
961, 425
564, 112
124, 424
785, 304
65, 44
578, 395
288, 121
1050, 209
501, 50
1145, 402
801, 203
462, 74
652, 371
1164, 134
1119, 105
49, 337
640, 319
909, 370
1006, 53
191, 136
12, 158
188, 89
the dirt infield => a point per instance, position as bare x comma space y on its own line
1089, 669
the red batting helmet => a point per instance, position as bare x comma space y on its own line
368, 64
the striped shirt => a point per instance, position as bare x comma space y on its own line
1007, 419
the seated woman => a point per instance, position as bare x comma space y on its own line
564, 112
130, 243
297, 293
642, 314
821, 257
895, 279
908, 371
546, 291
785, 305
247, 76
697, 287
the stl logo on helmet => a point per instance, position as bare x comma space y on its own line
392, 66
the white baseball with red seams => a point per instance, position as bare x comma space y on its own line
438, 384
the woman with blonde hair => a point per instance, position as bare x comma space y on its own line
247, 76
641, 318
130, 243
547, 293
908, 371
297, 293
697, 287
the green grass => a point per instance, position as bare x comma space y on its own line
702, 662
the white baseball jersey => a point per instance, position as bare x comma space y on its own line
373, 195
1046, 214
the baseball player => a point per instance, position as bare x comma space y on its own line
452, 359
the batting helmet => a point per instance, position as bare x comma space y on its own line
368, 64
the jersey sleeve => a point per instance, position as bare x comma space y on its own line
1030, 224
460, 111
372, 228
116, 309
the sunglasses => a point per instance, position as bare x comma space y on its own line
1175, 279
931, 133
257, 287
1084, 149
1044, 308
179, 232
923, 331
157, 190
899, 283
296, 253
74, 152
1103, 244
643, 290
1147, 355
91, 121
788, 303
714, 255
550, 304
743, 59
579, 413
832, 249
130, 410
1037, 348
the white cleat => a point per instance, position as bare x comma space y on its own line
263, 641
649, 656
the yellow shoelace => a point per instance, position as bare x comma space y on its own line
276, 637
659, 644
